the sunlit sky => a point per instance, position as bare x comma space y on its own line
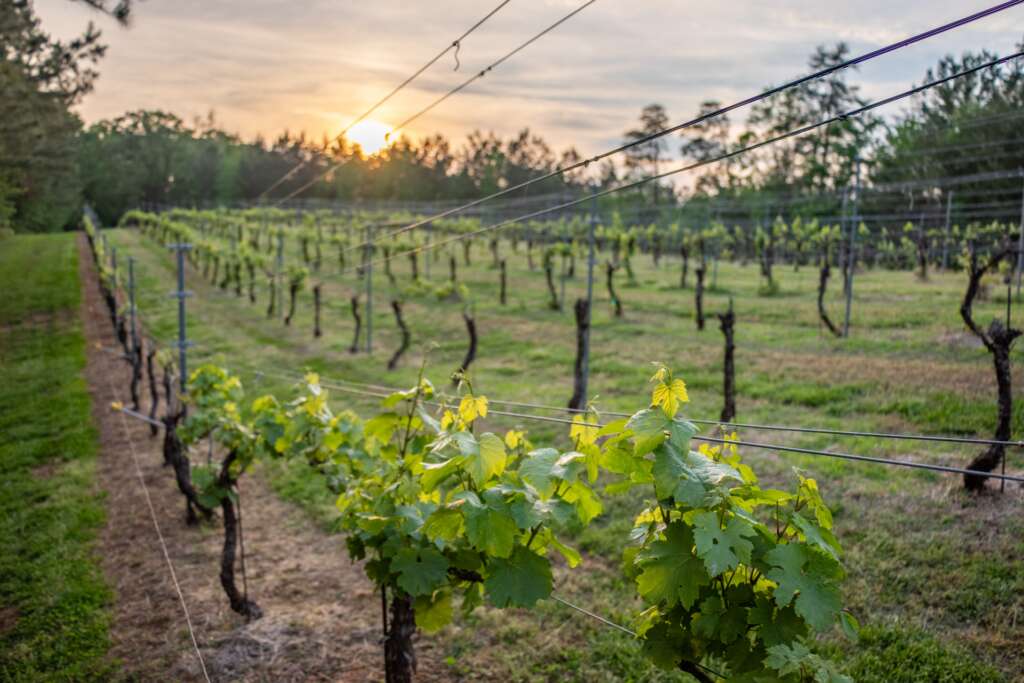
267, 65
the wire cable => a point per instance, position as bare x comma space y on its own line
856, 61
160, 536
750, 444
465, 84
454, 44
763, 143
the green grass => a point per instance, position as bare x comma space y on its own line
928, 566
53, 600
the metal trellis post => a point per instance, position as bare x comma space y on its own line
1020, 242
131, 304
369, 289
181, 294
949, 228
851, 254
590, 297
278, 280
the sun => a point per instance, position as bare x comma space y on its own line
370, 135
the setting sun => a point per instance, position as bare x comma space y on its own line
370, 135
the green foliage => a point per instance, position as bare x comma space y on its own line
730, 572
908, 656
53, 596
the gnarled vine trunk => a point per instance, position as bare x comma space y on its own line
727, 322
239, 601
399, 652
354, 302
998, 339
175, 457
504, 282
698, 296
684, 254
822, 286
549, 276
293, 292
471, 351
317, 332
609, 270
582, 310
404, 329
154, 389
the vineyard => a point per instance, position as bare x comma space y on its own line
271, 314
377, 416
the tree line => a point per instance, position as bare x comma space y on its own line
50, 162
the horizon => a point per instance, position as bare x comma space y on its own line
194, 58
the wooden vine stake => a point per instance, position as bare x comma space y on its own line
502, 298
822, 286
240, 603
998, 339
684, 255
154, 389
727, 322
698, 296
175, 456
354, 301
609, 270
316, 311
582, 310
471, 351
549, 275
404, 329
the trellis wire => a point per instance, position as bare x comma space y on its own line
454, 44
689, 167
750, 444
483, 72
718, 112
160, 536
743, 425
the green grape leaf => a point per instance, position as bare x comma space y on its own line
519, 581
536, 470
805, 574
815, 535
467, 443
722, 549
717, 621
663, 644
435, 473
433, 612
526, 513
444, 524
420, 571
492, 531
680, 432
671, 572
613, 427
586, 502
649, 427
776, 625
488, 460
571, 555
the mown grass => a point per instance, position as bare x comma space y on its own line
53, 600
934, 575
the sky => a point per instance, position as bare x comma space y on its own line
263, 66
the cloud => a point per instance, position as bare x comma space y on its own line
268, 65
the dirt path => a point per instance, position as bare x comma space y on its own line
322, 616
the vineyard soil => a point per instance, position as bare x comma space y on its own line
320, 621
